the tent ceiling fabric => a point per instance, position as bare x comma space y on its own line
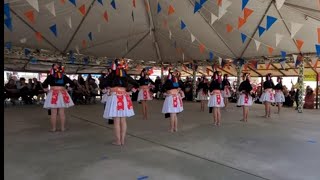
120, 36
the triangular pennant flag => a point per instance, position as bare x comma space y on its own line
113, 4
294, 58
208, 71
223, 63
211, 56
201, 48
134, 3
159, 8
170, 10
90, 36
197, 7
222, 12
77, 49
170, 34
82, 9
219, 60
268, 63
84, 44
73, 2
63, 2
38, 36
26, 52
241, 22
314, 61
318, 35
299, 44
165, 23
105, 16
283, 63
226, 4
182, 56
270, 21
34, 4
30, 16
279, 3
50, 7
86, 60
261, 30
132, 15
146, 5
318, 49
213, 18
298, 61
295, 27
258, 43
202, 2
8, 45
99, 27
68, 19
219, 2
245, 67
6, 10
247, 12
182, 25
278, 38
23, 40
270, 50
244, 4
243, 37
33, 60
254, 64
53, 29
98, 62
283, 54
229, 28
100, 1
192, 38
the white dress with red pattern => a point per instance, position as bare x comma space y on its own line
144, 95
267, 96
173, 103
216, 100
244, 100
58, 98
118, 105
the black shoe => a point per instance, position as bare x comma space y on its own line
110, 121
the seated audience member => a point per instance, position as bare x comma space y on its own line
11, 91
93, 89
309, 99
25, 92
38, 90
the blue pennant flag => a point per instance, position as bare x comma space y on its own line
73, 2
202, 2
283, 54
211, 56
100, 1
8, 46
90, 36
113, 4
239, 62
53, 29
318, 49
6, 10
298, 62
27, 52
244, 3
8, 23
159, 8
33, 60
223, 63
182, 25
72, 59
243, 37
261, 30
197, 7
270, 21
86, 60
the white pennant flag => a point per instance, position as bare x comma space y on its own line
213, 18
226, 4
50, 7
279, 3
98, 62
34, 4
258, 43
278, 38
222, 12
77, 49
99, 27
220, 60
294, 58
182, 56
23, 40
295, 27
314, 60
170, 34
68, 19
283, 64
192, 38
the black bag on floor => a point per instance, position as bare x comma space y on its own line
166, 115
210, 109
49, 112
110, 121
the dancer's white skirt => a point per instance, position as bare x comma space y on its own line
105, 98
245, 100
267, 96
202, 96
226, 93
58, 99
216, 100
118, 106
279, 97
172, 104
144, 95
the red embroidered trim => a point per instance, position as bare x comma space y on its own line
175, 101
218, 99
54, 97
271, 96
246, 99
145, 94
120, 104
65, 96
129, 102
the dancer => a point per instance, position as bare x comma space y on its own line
279, 96
203, 92
216, 99
173, 101
267, 96
119, 105
145, 93
245, 99
226, 86
57, 98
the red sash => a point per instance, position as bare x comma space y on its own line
65, 96
129, 102
246, 98
55, 94
175, 101
120, 103
218, 99
271, 96
54, 97
145, 94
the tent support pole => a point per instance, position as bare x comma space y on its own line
301, 88
194, 84
238, 68
136, 44
317, 92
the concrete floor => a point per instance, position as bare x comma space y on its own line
282, 148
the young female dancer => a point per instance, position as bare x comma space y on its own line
119, 105
173, 101
57, 98
267, 96
279, 96
203, 92
145, 94
245, 99
226, 86
216, 99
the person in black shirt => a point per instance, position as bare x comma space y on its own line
173, 102
267, 96
158, 87
119, 104
279, 96
245, 99
57, 98
203, 88
226, 87
216, 99
145, 94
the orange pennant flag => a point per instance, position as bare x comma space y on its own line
30, 16
201, 48
299, 44
270, 49
165, 23
268, 65
229, 28
219, 2
38, 36
82, 9
245, 67
147, 6
208, 71
170, 10
247, 12
319, 35
241, 22
134, 3
105, 16
63, 1
84, 44
316, 64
